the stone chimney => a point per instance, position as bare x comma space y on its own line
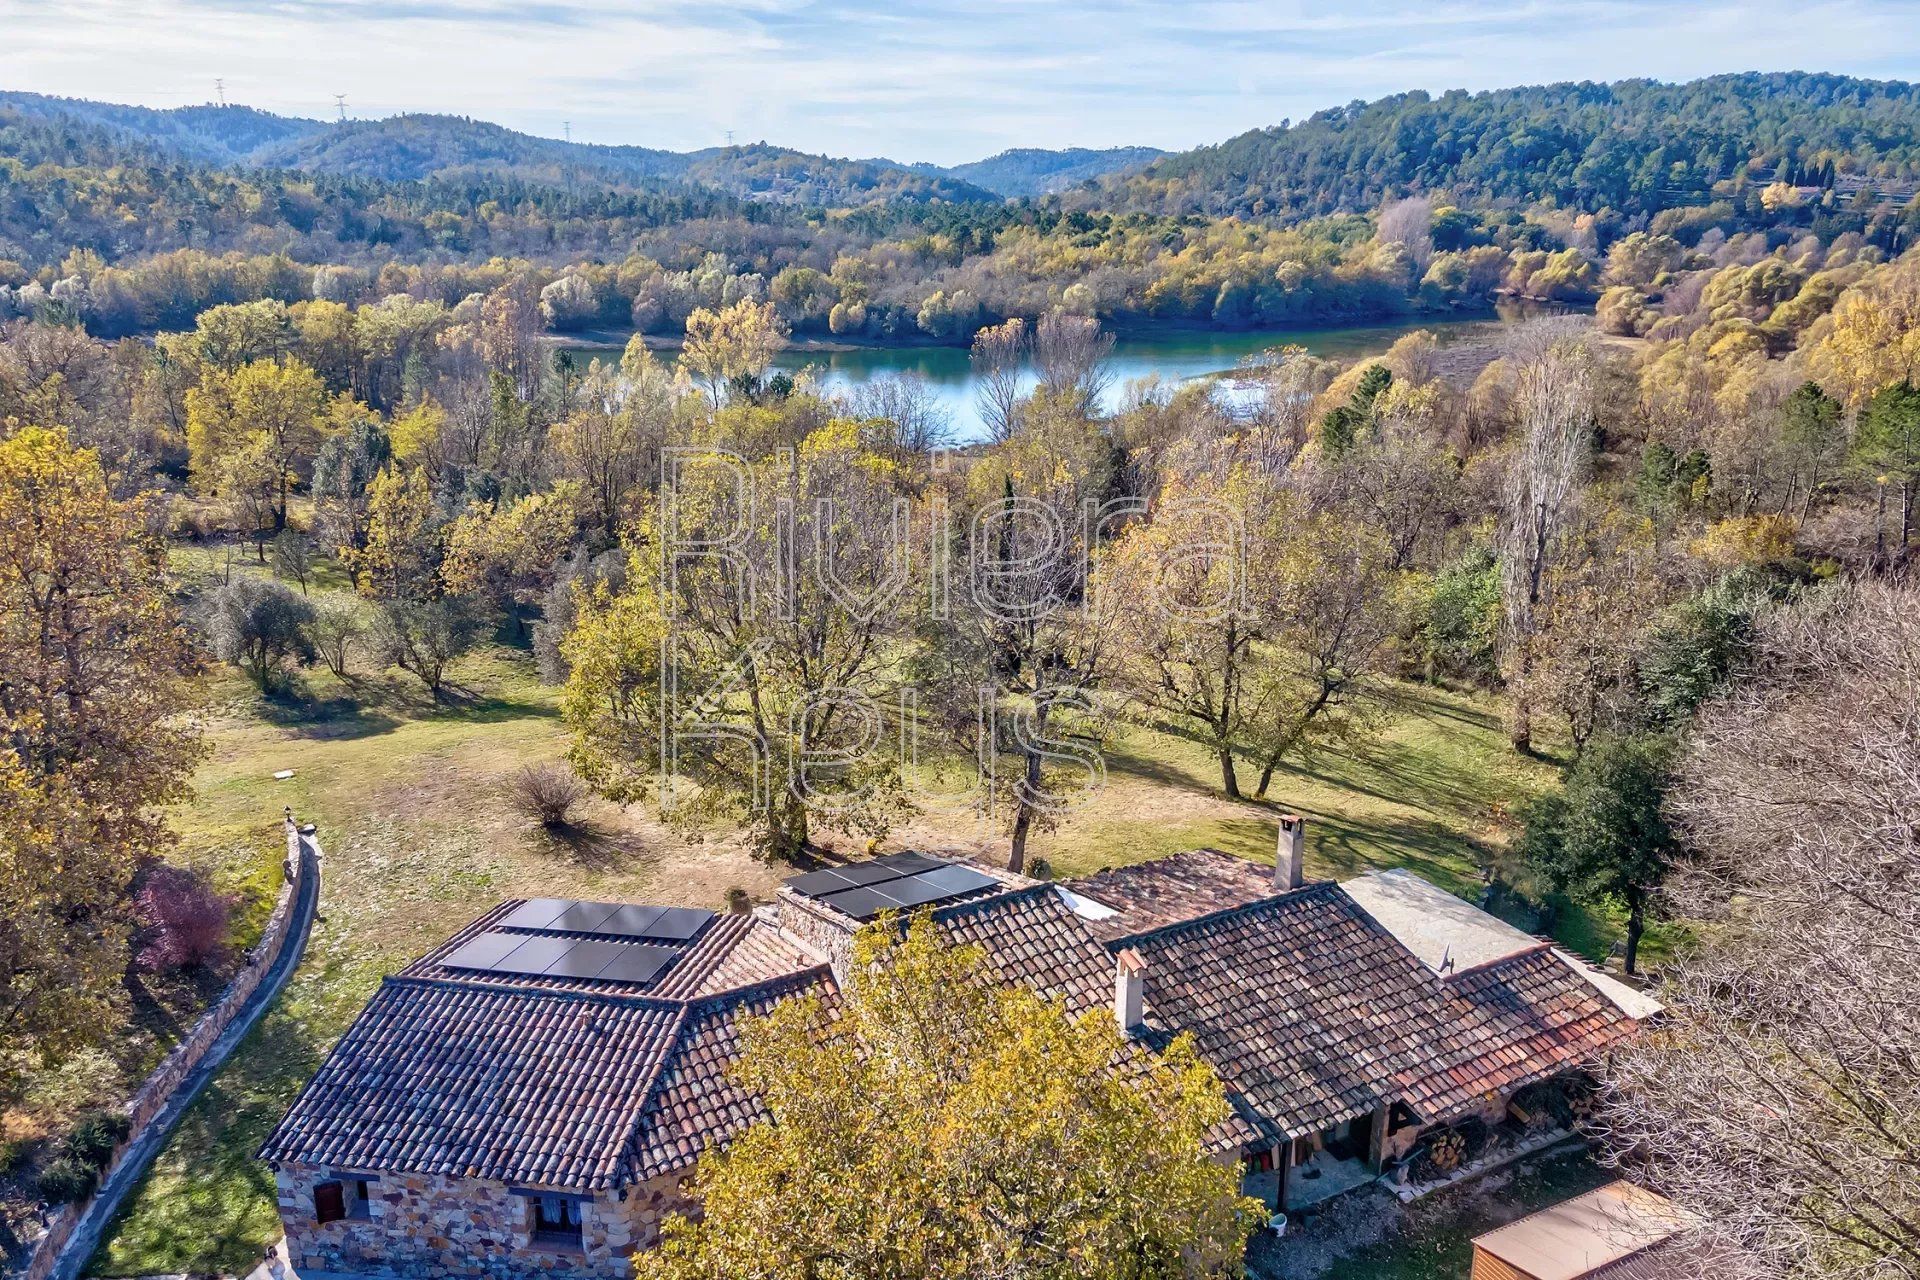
1290, 859
1130, 992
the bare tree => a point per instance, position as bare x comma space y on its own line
999, 354
1782, 1097
918, 423
1553, 373
1070, 355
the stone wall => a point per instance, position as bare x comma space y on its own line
159, 1087
441, 1228
826, 932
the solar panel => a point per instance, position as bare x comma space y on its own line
630, 922
534, 956
680, 924
582, 917
862, 903
536, 913
957, 880
484, 951
907, 863
586, 958
911, 892
637, 964
817, 883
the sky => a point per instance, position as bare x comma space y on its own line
907, 79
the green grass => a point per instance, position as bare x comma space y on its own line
412, 800
1436, 1242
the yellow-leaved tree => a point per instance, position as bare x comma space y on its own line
933, 1124
92, 743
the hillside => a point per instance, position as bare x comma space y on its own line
1034, 171
1633, 146
417, 148
206, 133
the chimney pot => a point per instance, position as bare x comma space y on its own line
1290, 858
1130, 992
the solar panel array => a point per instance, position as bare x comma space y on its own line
542, 938
895, 882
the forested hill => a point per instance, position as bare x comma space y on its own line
209, 134
417, 148
1032, 171
1632, 146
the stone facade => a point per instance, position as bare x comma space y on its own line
441, 1228
826, 932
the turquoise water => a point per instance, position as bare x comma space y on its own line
1171, 356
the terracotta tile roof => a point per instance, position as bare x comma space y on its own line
464, 1080
1182, 886
1540, 1018
1030, 937
694, 1104
1313, 1013
735, 952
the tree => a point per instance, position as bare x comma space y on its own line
259, 625
293, 556
401, 558
509, 555
999, 356
343, 475
1888, 443
1602, 836
732, 349
1335, 606
1018, 648
336, 630
1070, 356
425, 637
943, 1127
1355, 422
1186, 638
278, 402
1815, 439
611, 443
766, 708
1553, 374
1778, 1099
92, 740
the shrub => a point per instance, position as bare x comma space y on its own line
189, 921
95, 1136
65, 1180
739, 901
548, 792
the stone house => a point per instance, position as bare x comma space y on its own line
531, 1097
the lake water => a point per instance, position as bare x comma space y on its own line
1171, 356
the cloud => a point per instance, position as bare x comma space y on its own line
920, 79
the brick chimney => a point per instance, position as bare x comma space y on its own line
1130, 992
1290, 859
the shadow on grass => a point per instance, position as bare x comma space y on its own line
594, 847
207, 1205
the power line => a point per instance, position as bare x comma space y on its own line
567, 127
340, 100
220, 90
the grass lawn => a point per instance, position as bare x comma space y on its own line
412, 801
1432, 1239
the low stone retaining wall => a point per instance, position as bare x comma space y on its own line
151, 1099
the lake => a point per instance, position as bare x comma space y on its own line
1170, 355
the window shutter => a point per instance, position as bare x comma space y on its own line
329, 1202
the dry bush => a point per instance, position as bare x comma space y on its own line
1782, 1099
547, 793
